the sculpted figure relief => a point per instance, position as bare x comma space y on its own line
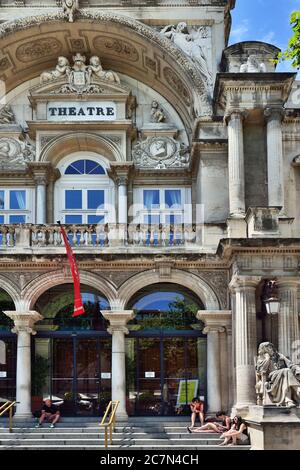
95, 69
80, 75
253, 66
190, 44
157, 113
69, 8
61, 70
277, 376
7, 115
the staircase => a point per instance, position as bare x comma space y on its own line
86, 434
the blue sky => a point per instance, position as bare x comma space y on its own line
263, 20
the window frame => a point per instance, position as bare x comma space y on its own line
28, 212
162, 211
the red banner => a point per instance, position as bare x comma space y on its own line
78, 306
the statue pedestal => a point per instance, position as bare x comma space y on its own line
274, 428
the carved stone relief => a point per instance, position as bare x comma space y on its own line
176, 83
191, 42
160, 153
79, 76
7, 115
157, 113
253, 66
34, 50
4, 64
117, 47
70, 8
14, 152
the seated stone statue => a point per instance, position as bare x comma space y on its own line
277, 376
7, 115
253, 66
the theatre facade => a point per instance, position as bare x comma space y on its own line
173, 162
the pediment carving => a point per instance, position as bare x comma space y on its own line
79, 78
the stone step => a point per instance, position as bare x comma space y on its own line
114, 447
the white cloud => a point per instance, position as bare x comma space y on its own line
269, 37
238, 34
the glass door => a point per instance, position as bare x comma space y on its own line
164, 374
149, 376
81, 375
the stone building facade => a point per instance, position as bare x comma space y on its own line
173, 161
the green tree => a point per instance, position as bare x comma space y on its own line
293, 51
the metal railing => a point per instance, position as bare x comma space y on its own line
8, 406
110, 424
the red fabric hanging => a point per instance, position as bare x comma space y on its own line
78, 306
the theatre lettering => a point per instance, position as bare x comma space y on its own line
74, 111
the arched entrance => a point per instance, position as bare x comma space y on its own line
8, 350
165, 351
72, 356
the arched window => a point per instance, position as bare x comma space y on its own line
84, 194
85, 167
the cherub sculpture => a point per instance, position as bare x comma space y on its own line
62, 69
95, 70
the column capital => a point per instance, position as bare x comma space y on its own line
118, 319
215, 319
239, 282
213, 329
288, 282
274, 113
24, 321
235, 113
40, 171
121, 172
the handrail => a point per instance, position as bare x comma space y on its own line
113, 406
8, 406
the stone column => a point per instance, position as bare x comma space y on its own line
122, 200
24, 322
118, 320
243, 288
236, 168
40, 172
41, 200
274, 118
288, 317
214, 321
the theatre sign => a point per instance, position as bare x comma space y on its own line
81, 111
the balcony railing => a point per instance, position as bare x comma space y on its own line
99, 236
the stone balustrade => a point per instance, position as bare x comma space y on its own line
98, 236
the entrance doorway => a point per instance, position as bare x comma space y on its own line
166, 351
164, 373
79, 374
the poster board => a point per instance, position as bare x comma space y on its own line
187, 391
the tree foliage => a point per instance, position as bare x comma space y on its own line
293, 51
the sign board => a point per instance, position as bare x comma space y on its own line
150, 375
81, 111
187, 391
3, 374
105, 375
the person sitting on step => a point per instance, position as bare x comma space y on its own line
197, 408
222, 425
50, 412
238, 433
